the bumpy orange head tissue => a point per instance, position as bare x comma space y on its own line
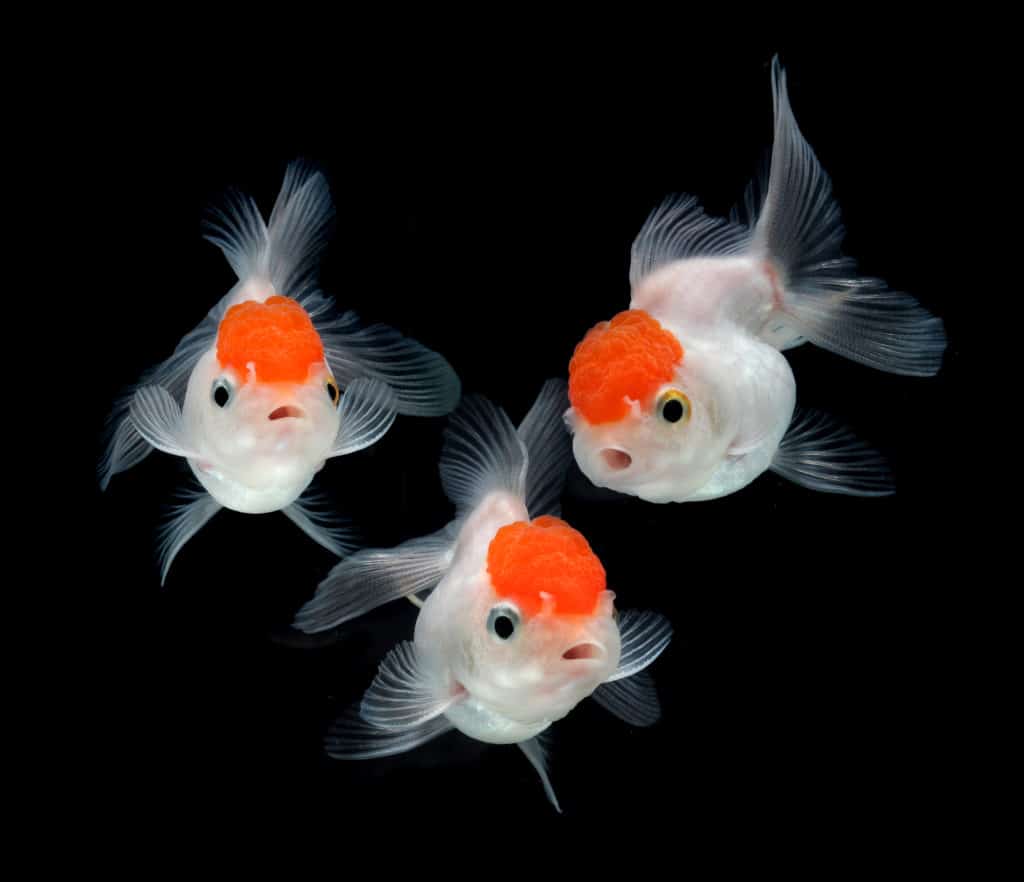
629, 357
276, 336
546, 556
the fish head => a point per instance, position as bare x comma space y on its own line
645, 418
540, 633
262, 403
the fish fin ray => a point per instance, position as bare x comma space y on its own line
798, 230
404, 695
535, 751
372, 577
286, 250
298, 229
352, 738
632, 699
186, 519
644, 635
549, 449
481, 453
677, 229
311, 514
157, 418
367, 412
819, 453
423, 381
124, 446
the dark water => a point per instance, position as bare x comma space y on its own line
805, 687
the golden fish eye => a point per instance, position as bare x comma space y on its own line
333, 391
674, 406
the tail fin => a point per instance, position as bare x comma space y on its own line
549, 449
285, 251
798, 229
481, 453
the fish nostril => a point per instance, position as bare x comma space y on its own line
616, 460
586, 651
286, 412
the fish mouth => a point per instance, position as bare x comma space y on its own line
286, 412
584, 652
616, 460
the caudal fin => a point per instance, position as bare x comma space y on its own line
286, 250
797, 229
549, 449
481, 453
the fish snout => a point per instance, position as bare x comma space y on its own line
286, 412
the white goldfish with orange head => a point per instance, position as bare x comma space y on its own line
274, 381
519, 626
687, 396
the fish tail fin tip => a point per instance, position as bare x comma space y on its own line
284, 250
796, 227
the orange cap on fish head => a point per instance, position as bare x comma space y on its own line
545, 557
276, 337
629, 357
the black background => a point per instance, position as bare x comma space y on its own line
489, 215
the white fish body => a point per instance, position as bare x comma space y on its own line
256, 429
731, 296
721, 310
493, 655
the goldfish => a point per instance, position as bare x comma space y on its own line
687, 395
518, 626
274, 380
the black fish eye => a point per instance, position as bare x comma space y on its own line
673, 410
333, 391
221, 392
502, 622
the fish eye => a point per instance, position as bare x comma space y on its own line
674, 406
222, 392
333, 391
503, 621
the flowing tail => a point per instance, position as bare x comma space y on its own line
796, 228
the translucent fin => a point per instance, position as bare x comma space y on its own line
632, 699
798, 230
372, 577
352, 738
403, 695
186, 520
679, 228
237, 229
549, 449
157, 418
481, 453
311, 514
298, 229
424, 383
286, 251
819, 453
644, 636
860, 319
538, 757
367, 412
286, 254
125, 447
